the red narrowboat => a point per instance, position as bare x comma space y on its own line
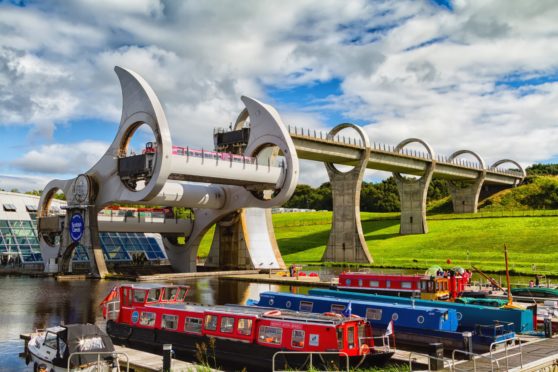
427, 287
150, 315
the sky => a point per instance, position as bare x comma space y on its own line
476, 75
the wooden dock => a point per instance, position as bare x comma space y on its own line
141, 361
273, 278
539, 354
200, 274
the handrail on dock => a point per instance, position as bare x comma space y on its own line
310, 359
99, 353
474, 358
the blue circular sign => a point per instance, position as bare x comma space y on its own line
77, 226
135, 317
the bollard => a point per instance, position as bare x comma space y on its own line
167, 356
436, 356
468, 344
547, 328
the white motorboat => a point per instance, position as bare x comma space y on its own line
72, 347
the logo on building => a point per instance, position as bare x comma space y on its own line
77, 226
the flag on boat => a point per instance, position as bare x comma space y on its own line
389, 329
348, 310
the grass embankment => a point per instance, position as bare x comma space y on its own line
479, 241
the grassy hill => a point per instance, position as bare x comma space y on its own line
531, 238
507, 217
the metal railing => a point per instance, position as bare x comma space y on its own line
454, 365
473, 357
310, 359
99, 367
384, 345
351, 141
492, 358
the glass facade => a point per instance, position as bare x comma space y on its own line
19, 241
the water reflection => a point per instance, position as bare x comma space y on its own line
28, 304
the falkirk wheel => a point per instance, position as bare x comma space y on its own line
232, 192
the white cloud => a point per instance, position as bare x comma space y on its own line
23, 183
62, 159
57, 59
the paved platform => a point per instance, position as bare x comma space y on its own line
141, 361
274, 278
198, 274
536, 355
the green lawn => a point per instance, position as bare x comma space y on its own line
478, 240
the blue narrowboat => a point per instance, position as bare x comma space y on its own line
379, 314
468, 315
413, 325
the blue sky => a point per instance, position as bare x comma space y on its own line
477, 75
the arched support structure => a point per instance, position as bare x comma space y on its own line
112, 180
248, 240
504, 161
412, 193
465, 196
346, 241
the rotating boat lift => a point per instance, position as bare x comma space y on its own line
239, 193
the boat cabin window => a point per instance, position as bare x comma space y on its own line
147, 319
360, 282
374, 283
211, 322
181, 296
193, 325
406, 285
297, 338
153, 295
170, 293
126, 297
336, 308
139, 295
361, 332
169, 321
388, 283
244, 326
373, 314
340, 338
227, 324
351, 337
50, 340
306, 306
348, 282
270, 335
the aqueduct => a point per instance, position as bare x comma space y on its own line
254, 168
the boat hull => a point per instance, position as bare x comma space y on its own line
219, 352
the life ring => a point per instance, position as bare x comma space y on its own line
364, 349
336, 315
272, 313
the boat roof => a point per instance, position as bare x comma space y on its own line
255, 311
369, 273
332, 298
55, 329
151, 285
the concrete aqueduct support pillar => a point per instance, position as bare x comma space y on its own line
412, 194
245, 239
465, 196
346, 241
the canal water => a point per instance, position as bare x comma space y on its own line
27, 304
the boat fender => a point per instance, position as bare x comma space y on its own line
273, 313
364, 349
329, 313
